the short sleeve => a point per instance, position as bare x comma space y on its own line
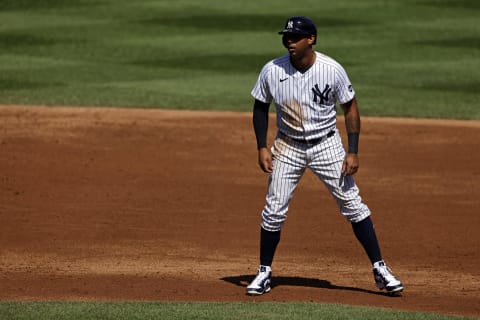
261, 90
343, 86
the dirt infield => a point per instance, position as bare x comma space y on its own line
115, 204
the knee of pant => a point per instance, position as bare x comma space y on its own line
270, 227
359, 217
272, 223
355, 215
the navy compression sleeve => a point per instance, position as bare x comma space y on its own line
260, 122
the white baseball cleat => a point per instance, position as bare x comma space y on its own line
384, 278
261, 283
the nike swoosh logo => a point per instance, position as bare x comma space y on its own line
281, 80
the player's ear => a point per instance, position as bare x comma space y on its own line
312, 40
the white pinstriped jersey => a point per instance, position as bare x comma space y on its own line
305, 102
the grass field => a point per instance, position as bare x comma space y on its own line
206, 311
405, 58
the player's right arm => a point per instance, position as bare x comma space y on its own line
260, 126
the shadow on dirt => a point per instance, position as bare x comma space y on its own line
244, 280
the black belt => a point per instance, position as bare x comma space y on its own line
314, 141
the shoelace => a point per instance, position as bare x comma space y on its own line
386, 273
261, 276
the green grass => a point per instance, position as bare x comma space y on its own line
405, 58
210, 311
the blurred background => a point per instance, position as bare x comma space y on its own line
405, 58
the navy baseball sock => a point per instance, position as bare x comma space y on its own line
268, 244
365, 233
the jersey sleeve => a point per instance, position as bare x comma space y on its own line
261, 90
343, 86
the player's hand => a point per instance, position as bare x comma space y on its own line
350, 164
265, 160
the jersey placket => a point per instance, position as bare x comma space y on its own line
299, 79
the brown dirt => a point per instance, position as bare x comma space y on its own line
115, 204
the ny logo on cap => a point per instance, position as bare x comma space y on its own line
290, 24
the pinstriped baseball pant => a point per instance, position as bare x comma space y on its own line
325, 159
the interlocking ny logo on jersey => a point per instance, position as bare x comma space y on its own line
323, 95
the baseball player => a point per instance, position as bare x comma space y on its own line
305, 86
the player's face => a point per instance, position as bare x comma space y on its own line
297, 44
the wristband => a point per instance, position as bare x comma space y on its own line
353, 142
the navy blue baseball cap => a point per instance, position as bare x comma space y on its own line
300, 25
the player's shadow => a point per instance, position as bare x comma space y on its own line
244, 280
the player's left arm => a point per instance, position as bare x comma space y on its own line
352, 124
